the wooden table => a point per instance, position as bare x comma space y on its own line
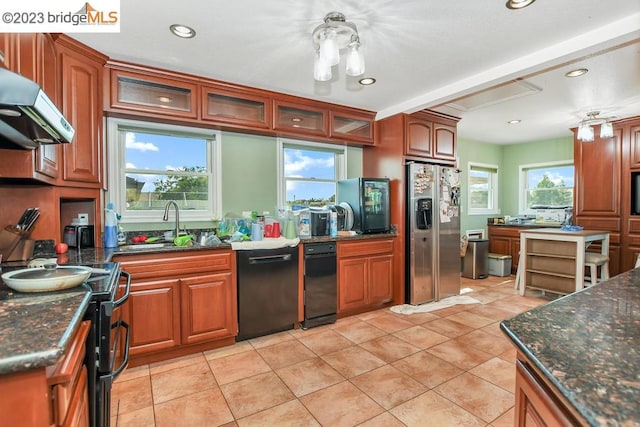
553, 260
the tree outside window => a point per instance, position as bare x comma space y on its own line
482, 188
546, 185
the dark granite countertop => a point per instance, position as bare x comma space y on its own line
587, 345
105, 254
35, 328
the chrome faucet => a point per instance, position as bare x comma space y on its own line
166, 215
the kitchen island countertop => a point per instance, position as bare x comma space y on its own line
586, 346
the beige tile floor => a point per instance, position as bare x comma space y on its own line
451, 367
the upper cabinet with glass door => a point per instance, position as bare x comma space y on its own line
153, 94
301, 118
242, 108
352, 126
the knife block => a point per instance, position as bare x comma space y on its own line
15, 245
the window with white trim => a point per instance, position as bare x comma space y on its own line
308, 172
544, 185
153, 163
482, 189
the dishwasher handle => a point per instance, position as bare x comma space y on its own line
269, 259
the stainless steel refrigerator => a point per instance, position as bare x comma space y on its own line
433, 233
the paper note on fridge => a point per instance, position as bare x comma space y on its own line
444, 209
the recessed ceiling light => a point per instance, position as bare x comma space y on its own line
183, 31
514, 122
576, 73
518, 4
367, 81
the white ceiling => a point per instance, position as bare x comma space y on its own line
423, 53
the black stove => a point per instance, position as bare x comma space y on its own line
103, 282
107, 346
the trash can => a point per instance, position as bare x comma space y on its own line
476, 261
499, 265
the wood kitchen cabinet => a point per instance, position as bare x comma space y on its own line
629, 240
505, 240
598, 203
199, 322
81, 70
56, 395
32, 55
365, 274
242, 108
299, 118
537, 405
352, 126
180, 302
430, 136
151, 92
153, 314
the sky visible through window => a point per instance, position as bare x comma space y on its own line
313, 169
150, 151
312, 172
556, 174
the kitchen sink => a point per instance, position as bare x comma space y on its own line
145, 246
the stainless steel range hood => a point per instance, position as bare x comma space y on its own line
28, 117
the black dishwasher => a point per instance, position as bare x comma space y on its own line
320, 284
267, 291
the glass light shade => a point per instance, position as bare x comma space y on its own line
606, 130
585, 132
321, 69
355, 61
329, 50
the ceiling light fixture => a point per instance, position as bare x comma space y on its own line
577, 72
518, 4
585, 128
182, 31
514, 122
331, 37
366, 81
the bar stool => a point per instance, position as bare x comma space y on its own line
593, 261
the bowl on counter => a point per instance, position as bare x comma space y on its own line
46, 278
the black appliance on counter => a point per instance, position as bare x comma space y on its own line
320, 284
78, 236
319, 221
267, 291
369, 200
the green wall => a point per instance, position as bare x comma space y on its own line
477, 152
250, 172
528, 153
249, 178
508, 158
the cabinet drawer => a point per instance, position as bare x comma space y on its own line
176, 263
365, 248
